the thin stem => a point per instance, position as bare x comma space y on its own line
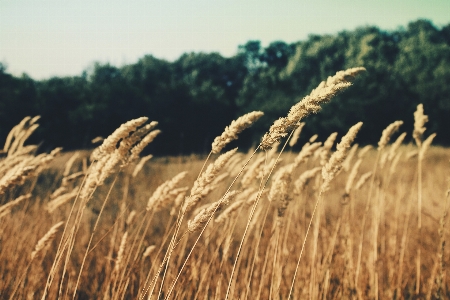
366, 211
92, 236
304, 242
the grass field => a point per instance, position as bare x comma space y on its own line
325, 222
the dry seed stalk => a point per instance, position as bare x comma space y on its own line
13, 203
419, 124
226, 214
313, 138
231, 132
252, 172
347, 163
308, 105
326, 149
204, 215
148, 250
279, 191
364, 151
140, 165
396, 145
162, 195
333, 166
109, 144
296, 134
45, 240
352, 176
143, 143
306, 152
304, 178
199, 189
387, 133
60, 200
120, 253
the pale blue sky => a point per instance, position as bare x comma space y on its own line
59, 37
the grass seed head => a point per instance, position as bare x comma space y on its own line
333, 166
231, 132
205, 179
296, 134
387, 133
309, 105
45, 240
419, 124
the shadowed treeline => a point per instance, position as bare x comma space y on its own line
196, 96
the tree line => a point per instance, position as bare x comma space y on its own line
194, 97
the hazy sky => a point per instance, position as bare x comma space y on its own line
44, 38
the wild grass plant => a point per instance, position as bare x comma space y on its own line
326, 222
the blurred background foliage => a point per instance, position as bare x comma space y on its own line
196, 96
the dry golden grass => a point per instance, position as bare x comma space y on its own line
318, 224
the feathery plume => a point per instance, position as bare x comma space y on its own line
419, 124
120, 253
69, 164
308, 105
333, 166
313, 138
326, 149
252, 172
148, 250
45, 240
395, 145
109, 145
306, 152
130, 217
296, 134
395, 163
364, 151
140, 165
60, 200
206, 178
231, 132
27, 133
352, 176
387, 133
180, 195
163, 193
16, 176
143, 143
425, 145
226, 214
72, 177
279, 191
97, 139
363, 179
203, 216
347, 162
305, 177
15, 135
411, 154
13, 203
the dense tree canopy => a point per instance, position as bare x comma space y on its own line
196, 96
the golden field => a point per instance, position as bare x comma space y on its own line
326, 222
